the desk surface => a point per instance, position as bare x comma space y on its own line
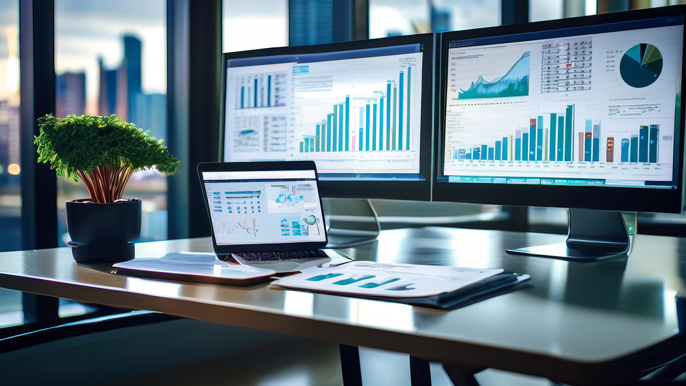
574, 322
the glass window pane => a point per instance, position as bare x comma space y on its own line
540, 10
248, 25
10, 165
407, 17
110, 58
10, 308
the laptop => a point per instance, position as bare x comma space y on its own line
265, 214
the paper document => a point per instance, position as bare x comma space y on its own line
386, 280
199, 264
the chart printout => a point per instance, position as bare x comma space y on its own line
581, 109
352, 112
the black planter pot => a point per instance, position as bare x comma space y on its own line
103, 233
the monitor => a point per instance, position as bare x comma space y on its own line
361, 110
581, 113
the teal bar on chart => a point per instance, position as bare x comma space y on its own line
381, 124
335, 128
340, 127
553, 133
329, 134
316, 148
654, 135
560, 138
634, 148
505, 155
569, 133
388, 116
366, 130
323, 138
400, 114
407, 127
539, 139
643, 144
347, 123
361, 144
588, 144
532, 140
374, 128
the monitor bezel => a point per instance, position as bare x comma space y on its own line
600, 198
260, 166
385, 189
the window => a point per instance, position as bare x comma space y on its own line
540, 10
249, 25
110, 58
407, 17
10, 165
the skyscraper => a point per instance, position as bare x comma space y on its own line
107, 92
310, 22
132, 65
70, 90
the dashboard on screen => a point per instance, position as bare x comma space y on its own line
585, 106
356, 113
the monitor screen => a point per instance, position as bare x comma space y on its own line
356, 113
264, 207
587, 106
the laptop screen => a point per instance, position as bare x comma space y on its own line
264, 207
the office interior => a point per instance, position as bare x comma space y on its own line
159, 64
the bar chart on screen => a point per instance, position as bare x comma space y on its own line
260, 90
358, 114
565, 143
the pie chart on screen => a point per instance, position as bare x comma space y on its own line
641, 65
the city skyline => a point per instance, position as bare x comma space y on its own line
119, 91
85, 32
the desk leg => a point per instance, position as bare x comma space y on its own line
462, 376
420, 372
350, 365
38, 309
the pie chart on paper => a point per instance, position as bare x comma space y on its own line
641, 65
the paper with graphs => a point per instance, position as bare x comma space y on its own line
386, 280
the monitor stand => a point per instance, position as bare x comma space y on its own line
350, 222
593, 235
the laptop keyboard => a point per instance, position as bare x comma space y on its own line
281, 256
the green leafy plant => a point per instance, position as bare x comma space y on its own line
103, 151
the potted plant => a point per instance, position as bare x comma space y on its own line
103, 152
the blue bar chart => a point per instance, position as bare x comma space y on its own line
642, 147
382, 122
261, 90
537, 143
